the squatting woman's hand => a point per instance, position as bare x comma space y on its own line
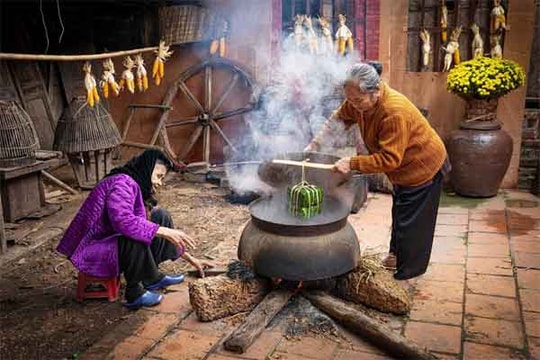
177, 237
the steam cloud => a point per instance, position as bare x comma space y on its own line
305, 88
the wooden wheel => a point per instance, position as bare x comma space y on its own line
208, 101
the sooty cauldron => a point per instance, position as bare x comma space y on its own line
277, 244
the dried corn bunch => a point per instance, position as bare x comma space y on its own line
220, 44
142, 76
158, 68
344, 36
444, 23
108, 79
90, 84
128, 80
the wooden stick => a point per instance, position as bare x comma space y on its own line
353, 318
40, 57
303, 163
257, 320
59, 182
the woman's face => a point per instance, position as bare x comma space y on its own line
362, 101
158, 175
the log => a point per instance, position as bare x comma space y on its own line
219, 296
380, 335
375, 288
257, 320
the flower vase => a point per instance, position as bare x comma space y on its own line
480, 151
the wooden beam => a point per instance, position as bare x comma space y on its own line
257, 320
376, 332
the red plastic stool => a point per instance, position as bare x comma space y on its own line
110, 287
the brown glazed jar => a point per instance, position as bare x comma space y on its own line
480, 153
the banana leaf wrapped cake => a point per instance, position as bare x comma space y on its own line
305, 200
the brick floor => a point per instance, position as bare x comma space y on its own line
479, 299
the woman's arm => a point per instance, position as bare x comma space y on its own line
393, 139
120, 205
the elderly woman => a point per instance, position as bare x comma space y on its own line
403, 145
111, 234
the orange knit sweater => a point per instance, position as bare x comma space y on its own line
400, 140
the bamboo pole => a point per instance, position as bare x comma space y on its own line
41, 57
304, 163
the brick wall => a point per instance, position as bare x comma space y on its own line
530, 151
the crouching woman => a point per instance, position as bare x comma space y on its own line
111, 234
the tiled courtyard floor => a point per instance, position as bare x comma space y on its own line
480, 298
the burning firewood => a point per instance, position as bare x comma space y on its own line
257, 320
370, 284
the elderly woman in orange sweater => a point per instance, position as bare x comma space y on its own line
403, 145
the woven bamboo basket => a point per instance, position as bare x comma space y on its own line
18, 137
186, 23
88, 135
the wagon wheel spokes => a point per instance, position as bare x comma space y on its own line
217, 129
183, 121
206, 144
210, 103
207, 89
230, 114
195, 135
229, 88
190, 96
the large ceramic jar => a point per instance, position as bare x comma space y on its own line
480, 152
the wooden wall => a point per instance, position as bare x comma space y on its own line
428, 89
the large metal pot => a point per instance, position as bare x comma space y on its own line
279, 245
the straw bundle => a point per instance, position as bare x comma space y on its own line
186, 23
83, 128
18, 137
370, 284
220, 296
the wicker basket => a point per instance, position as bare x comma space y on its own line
84, 128
18, 137
186, 23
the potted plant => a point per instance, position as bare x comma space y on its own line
480, 150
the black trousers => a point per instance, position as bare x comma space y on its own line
139, 262
414, 214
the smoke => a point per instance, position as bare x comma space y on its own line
303, 91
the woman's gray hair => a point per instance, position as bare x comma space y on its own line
365, 75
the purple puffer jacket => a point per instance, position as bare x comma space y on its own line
114, 207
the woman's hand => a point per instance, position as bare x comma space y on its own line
312, 147
200, 265
343, 165
177, 237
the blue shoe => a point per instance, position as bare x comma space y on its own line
147, 299
166, 281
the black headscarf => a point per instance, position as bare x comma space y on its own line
140, 169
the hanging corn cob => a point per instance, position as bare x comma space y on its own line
158, 68
142, 77
344, 37
90, 84
304, 199
444, 22
219, 44
108, 79
128, 80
